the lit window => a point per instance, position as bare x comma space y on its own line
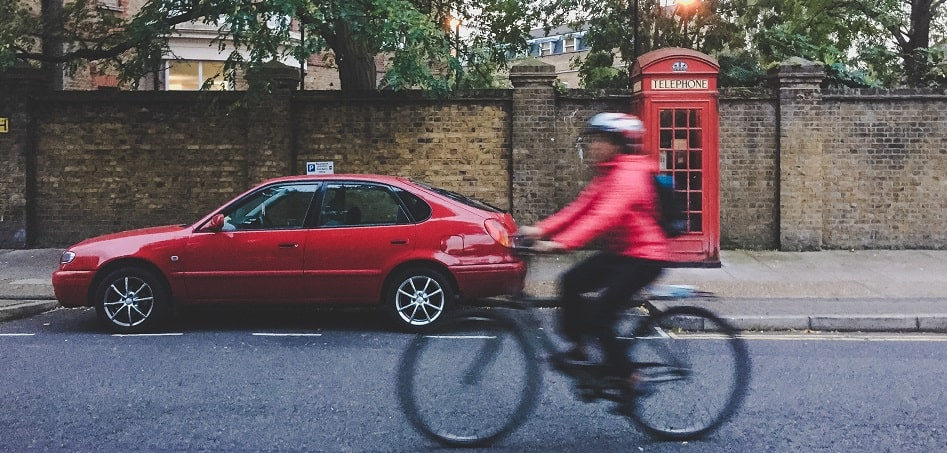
191, 75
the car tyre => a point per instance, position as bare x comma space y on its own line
132, 300
418, 298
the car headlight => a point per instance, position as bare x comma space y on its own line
67, 257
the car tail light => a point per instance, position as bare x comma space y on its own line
498, 232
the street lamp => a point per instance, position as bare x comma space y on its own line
454, 24
636, 21
683, 7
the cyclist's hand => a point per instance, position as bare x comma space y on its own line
530, 232
548, 246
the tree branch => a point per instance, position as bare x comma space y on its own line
92, 54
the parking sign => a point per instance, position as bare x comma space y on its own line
320, 168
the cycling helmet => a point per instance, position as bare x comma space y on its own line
628, 126
622, 129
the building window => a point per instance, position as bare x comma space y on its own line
187, 75
112, 5
571, 44
546, 48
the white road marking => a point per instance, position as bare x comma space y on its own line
264, 334
175, 334
885, 337
461, 337
17, 334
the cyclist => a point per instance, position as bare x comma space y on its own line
619, 205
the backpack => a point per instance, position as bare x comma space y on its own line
671, 206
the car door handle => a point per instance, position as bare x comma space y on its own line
288, 245
399, 241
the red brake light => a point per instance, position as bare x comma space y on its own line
498, 232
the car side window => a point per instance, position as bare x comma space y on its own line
353, 204
273, 207
418, 208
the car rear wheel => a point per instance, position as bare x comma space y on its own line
418, 297
131, 300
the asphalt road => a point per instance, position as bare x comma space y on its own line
324, 381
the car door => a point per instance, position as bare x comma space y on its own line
361, 232
258, 256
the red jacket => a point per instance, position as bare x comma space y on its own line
620, 203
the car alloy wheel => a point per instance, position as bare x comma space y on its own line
130, 300
420, 297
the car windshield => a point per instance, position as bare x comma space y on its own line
460, 198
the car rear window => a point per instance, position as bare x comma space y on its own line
460, 198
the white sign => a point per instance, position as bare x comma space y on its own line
680, 84
320, 168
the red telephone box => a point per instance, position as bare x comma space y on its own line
674, 91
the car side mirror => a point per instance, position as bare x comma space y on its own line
215, 225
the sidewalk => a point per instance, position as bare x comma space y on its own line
26, 282
867, 290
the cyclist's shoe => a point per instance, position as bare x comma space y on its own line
638, 386
634, 387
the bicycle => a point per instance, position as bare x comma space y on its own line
685, 389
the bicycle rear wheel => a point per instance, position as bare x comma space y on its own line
690, 383
472, 382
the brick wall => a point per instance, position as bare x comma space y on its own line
749, 170
113, 161
801, 168
885, 169
462, 144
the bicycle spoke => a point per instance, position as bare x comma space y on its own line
688, 387
470, 384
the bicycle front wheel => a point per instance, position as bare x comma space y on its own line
472, 382
693, 370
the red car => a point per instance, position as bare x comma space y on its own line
327, 239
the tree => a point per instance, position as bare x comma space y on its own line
415, 34
869, 35
708, 26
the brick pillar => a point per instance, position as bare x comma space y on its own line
18, 89
533, 123
801, 176
270, 124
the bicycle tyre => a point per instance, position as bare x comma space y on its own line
471, 382
690, 384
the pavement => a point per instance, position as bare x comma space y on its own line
864, 290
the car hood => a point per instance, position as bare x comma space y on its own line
156, 232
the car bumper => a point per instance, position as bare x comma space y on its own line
72, 287
490, 279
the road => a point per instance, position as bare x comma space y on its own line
291, 380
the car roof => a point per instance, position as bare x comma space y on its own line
387, 179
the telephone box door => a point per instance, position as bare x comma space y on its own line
686, 147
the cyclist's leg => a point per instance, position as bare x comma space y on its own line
574, 316
626, 277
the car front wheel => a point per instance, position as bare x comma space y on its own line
417, 298
131, 300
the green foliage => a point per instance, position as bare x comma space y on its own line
741, 70
414, 35
709, 26
597, 72
861, 42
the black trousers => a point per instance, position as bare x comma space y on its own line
619, 278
